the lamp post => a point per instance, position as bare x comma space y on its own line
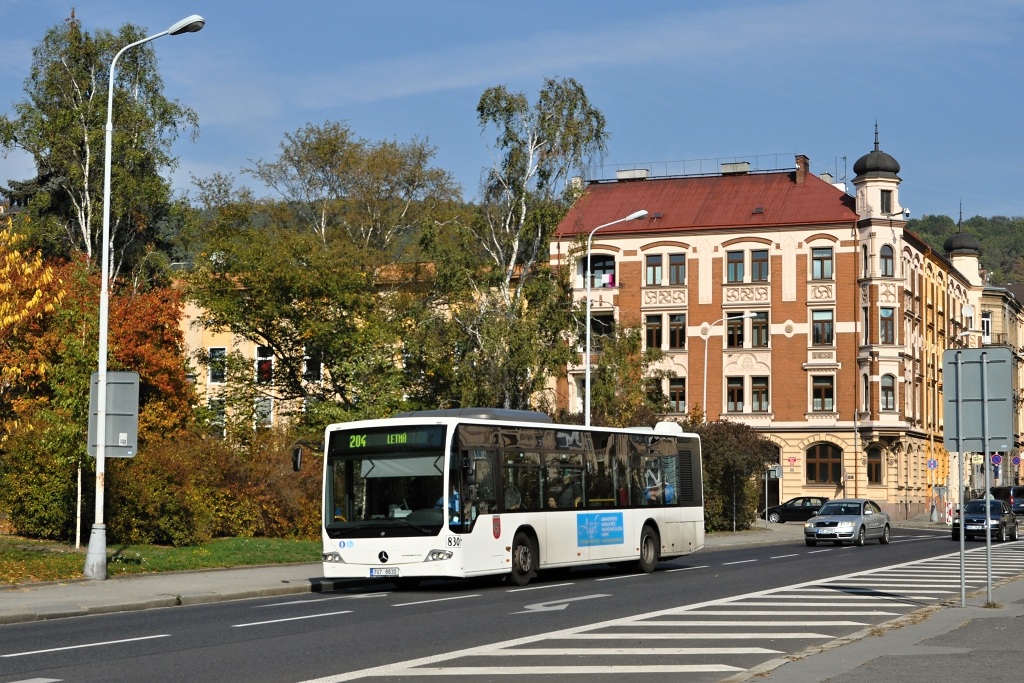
96, 555
707, 340
636, 215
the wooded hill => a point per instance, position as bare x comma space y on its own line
1001, 240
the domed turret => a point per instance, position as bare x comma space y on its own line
961, 243
876, 164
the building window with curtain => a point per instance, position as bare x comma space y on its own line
759, 330
759, 265
677, 394
887, 326
677, 269
824, 464
734, 331
886, 197
821, 328
218, 362
875, 465
602, 270
888, 395
734, 394
886, 265
654, 270
823, 393
653, 329
759, 394
676, 331
821, 263
734, 266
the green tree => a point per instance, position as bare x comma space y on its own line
508, 314
318, 279
61, 125
733, 454
375, 193
622, 394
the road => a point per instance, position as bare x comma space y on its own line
710, 616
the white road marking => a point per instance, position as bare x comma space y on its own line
313, 601
278, 621
427, 602
537, 588
78, 647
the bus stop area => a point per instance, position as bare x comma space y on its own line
945, 643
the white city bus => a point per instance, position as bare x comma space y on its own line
476, 492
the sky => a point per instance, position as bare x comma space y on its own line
684, 86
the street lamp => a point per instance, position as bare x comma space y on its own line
636, 215
707, 340
96, 555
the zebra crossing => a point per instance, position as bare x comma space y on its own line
727, 639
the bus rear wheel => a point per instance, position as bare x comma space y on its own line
649, 543
524, 559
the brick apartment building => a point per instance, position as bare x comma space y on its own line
804, 312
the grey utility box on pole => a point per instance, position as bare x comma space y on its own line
122, 414
984, 391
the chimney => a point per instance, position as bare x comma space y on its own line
802, 163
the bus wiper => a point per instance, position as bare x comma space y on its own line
423, 530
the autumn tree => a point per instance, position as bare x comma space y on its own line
512, 314
28, 291
61, 125
37, 470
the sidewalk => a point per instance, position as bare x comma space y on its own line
940, 643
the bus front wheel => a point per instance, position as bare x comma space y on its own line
524, 559
649, 542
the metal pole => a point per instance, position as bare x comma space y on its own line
960, 483
988, 476
96, 554
636, 215
707, 340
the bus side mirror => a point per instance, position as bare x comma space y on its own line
297, 458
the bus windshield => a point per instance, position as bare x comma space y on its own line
385, 481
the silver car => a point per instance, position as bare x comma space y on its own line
848, 519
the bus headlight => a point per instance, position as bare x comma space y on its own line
332, 557
438, 555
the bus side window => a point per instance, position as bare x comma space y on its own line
600, 488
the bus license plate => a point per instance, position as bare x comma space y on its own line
383, 571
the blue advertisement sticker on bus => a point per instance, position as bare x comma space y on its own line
600, 528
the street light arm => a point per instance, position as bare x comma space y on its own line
636, 215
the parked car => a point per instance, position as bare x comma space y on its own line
848, 519
794, 510
1002, 520
1014, 495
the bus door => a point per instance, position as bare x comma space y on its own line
608, 515
483, 548
567, 535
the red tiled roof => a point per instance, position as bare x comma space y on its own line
751, 201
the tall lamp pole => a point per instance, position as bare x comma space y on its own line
96, 555
636, 215
707, 340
